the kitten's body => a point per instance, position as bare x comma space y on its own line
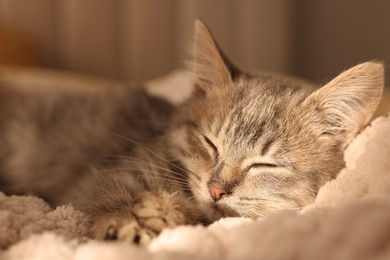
67, 133
241, 146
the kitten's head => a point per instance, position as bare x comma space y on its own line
257, 144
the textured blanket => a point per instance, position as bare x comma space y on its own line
350, 219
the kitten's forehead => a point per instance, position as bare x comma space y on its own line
254, 112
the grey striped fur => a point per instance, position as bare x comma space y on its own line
270, 141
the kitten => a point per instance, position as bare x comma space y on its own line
242, 145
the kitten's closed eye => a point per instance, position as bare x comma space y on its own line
212, 146
266, 167
258, 165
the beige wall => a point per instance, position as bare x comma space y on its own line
140, 39
336, 34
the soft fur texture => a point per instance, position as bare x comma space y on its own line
243, 145
350, 219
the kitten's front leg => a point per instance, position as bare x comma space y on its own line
144, 217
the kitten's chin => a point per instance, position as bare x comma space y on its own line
215, 211
225, 211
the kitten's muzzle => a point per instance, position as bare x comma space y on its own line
216, 192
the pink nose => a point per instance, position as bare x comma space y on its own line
216, 192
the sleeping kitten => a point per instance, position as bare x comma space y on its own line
242, 145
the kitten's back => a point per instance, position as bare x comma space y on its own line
78, 129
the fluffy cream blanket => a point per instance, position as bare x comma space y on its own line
350, 219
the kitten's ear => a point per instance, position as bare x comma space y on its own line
210, 66
346, 104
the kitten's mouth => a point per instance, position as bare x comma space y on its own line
223, 210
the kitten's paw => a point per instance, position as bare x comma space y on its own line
149, 214
163, 210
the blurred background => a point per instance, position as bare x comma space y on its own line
142, 39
